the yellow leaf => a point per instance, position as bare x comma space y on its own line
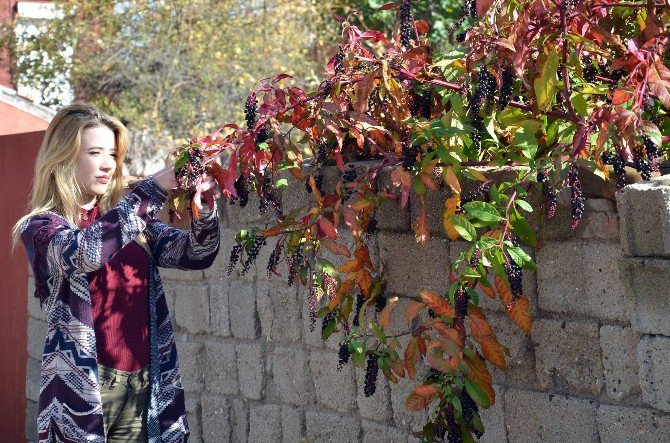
384, 319
450, 206
546, 84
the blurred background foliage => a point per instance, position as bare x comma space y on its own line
173, 69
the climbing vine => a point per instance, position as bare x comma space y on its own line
556, 88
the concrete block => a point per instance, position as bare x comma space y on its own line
333, 428
194, 418
191, 359
567, 355
536, 416
32, 409
250, 215
378, 406
290, 371
218, 272
375, 432
434, 209
600, 221
192, 308
410, 421
493, 419
521, 361
33, 369
219, 314
292, 424
251, 370
623, 424
279, 312
221, 374
180, 275
244, 321
645, 218
334, 389
215, 419
421, 267
619, 347
37, 333
582, 277
648, 281
653, 358
390, 215
265, 423
240, 420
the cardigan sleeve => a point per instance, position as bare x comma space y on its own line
186, 249
54, 247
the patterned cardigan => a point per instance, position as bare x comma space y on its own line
61, 254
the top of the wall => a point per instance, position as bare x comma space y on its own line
12, 98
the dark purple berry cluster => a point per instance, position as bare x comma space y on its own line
371, 371
469, 408
419, 105
293, 265
409, 154
343, 356
576, 196
506, 88
234, 257
326, 320
380, 303
474, 259
454, 434
272, 262
406, 22
360, 301
550, 199
371, 228
618, 165
461, 304
514, 275
188, 175
258, 242
242, 192
484, 92
482, 190
250, 107
338, 64
318, 180
588, 69
642, 163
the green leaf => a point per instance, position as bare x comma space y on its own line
419, 187
524, 205
483, 211
477, 394
378, 333
522, 228
579, 103
329, 329
521, 258
546, 85
524, 138
282, 182
464, 228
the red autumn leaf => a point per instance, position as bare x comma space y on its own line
412, 356
438, 363
438, 304
388, 6
621, 96
504, 292
335, 247
422, 231
194, 209
421, 397
402, 178
520, 314
488, 290
413, 310
384, 318
421, 27
280, 77
375, 36
482, 6
482, 333
327, 229
363, 256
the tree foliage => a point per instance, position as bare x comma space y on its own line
552, 88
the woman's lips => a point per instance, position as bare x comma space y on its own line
102, 179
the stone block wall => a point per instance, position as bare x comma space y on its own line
596, 366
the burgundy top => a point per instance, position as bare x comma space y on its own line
120, 300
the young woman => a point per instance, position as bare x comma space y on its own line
109, 369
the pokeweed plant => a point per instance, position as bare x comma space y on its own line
553, 87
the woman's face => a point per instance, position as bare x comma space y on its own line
96, 161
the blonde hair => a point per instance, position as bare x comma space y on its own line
55, 187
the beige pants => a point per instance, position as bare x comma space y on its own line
125, 400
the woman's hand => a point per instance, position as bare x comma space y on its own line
166, 179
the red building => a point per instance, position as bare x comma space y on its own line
22, 125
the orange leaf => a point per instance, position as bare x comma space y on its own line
520, 314
450, 206
335, 247
413, 310
437, 304
363, 256
421, 231
488, 290
342, 289
194, 209
421, 397
481, 332
438, 363
482, 6
480, 375
364, 281
402, 178
384, 319
350, 266
504, 292
396, 365
621, 97
421, 27
412, 356
452, 180
428, 181
327, 228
